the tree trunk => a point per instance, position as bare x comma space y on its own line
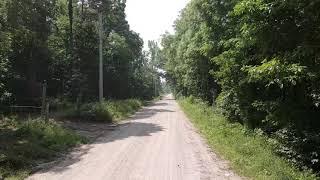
70, 9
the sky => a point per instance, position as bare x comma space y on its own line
152, 18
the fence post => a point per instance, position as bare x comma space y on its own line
46, 117
44, 97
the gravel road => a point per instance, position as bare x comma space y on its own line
158, 143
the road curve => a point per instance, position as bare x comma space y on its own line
158, 143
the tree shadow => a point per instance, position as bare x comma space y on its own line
123, 131
170, 99
131, 129
24, 147
159, 104
137, 126
148, 112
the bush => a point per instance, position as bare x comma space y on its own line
96, 112
123, 108
106, 112
300, 148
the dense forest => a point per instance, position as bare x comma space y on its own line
258, 62
57, 41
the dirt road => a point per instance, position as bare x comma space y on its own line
158, 143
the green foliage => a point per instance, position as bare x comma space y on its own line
25, 144
96, 112
275, 73
4, 50
251, 153
257, 60
122, 109
56, 41
109, 111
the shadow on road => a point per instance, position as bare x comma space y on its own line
133, 128
124, 131
148, 112
159, 104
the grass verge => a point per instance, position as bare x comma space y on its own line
26, 144
250, 153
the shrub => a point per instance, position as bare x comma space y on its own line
106, 112
96, 111
123, 108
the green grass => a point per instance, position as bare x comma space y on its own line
250, 153
122, 109
26, 144
109, 111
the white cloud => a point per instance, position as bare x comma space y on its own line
152, 18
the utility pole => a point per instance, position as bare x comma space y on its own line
155, 85
100, 59
154, 76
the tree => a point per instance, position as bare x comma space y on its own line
29, 23
56, 41
5, 43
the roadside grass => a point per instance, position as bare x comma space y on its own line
109, 111
122, 109
250, 153
26, 144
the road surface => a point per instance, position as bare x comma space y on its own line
158, 143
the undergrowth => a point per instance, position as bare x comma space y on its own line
108, 111
122, 109
26, 144
250, 153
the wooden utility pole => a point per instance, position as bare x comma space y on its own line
155, 82
100, 59
155, 73
154, 85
